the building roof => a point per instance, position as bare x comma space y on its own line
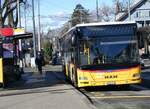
132, 9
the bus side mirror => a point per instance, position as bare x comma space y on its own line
73, 41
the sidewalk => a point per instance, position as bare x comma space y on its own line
49, 91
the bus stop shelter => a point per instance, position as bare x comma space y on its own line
10, 54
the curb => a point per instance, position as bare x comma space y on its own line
86, 98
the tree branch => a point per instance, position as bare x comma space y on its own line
7, 3
7, 12
15, 21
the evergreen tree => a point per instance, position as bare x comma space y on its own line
80, 15
48, 49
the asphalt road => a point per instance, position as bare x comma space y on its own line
118, 97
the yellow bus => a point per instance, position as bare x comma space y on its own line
101, 54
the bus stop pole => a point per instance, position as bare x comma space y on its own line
20, 42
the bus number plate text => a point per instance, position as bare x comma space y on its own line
111, 83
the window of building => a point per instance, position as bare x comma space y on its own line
137, 15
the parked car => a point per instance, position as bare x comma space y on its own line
56, 59
145, 60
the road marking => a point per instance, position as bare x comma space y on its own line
120, 97
140, 87
98, 94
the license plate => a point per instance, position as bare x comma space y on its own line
111, 83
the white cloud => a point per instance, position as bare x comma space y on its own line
54, 20
60, 16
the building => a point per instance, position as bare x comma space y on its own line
139, 12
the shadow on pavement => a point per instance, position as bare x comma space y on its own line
51, 91
34, 81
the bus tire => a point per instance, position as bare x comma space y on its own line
64, 72
74, 78
1, 85
125, 86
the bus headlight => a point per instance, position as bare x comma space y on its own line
136, 75
83, 78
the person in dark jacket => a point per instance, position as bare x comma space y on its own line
39, 62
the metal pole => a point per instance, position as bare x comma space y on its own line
129, 14
19, 25
19, 16
25, 17
97, 10
39, 29
33, 19
0, 14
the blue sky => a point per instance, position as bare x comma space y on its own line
54, 6
58, 9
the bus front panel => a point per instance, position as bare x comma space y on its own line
109, 77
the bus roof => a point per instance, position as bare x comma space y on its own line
100, 24
104, 23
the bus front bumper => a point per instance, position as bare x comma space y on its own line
106, 83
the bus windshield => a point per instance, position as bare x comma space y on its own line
96, 52
108, 49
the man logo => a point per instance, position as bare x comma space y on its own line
111, 76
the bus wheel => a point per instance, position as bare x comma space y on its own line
1, 85
74, 79
125, 86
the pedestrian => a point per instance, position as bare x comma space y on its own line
39, 62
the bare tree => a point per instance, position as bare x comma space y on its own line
122, 5
64, 29
9, 11
106, 12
